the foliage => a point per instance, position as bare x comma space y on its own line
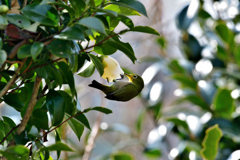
208, 85
45, 44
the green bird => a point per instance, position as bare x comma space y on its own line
121, 90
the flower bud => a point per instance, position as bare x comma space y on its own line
112, 69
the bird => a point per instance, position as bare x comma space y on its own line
121, 90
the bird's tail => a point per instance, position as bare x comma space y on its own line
96, 84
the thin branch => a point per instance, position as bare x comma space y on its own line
9, 84
31, 105
99, 42
8, 134
93, 134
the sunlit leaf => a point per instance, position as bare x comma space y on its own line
93, 23
210, 142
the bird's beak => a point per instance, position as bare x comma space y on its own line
128, 75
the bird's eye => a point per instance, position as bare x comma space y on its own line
134, 76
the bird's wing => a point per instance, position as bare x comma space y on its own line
124, 93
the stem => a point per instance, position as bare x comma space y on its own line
61, 123
99, 42
8, 134
31, 105
9, 84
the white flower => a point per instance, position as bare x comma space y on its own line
112, 69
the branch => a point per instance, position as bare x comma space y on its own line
9, 84
62, 123
31, 105
8, 134
93, 134
99, 42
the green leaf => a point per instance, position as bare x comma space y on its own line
121, 10
225, 33
76, 126
24, 51
9, 121
36, 49
58, 146
93, 23
15, 100
49, 72
3, 57
16, 152
183, 21
39, 119
210, 142
88, 71
132, 4
55, 106
186, 81
140, 120
145, 29
44, 14
61, 48
57, 139
3, 22
223, 103
124, 47
70, 10
19, 20
78, 6
179, 122
97, 63
100, 109
175, 67
127, 21
122, 156
1, 43
197, 101
70, 104
71, 33
68, 77
83, 119
153, 153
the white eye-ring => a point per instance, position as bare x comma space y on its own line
135, 76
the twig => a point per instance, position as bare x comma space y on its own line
99, 42
31, 105
8, 134
9, 84
93, 134
24, 3
92, 138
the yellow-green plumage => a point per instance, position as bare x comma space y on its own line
121, 90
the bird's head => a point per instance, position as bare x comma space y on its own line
135, 79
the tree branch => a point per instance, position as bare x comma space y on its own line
9, 84
31, 105
8, 134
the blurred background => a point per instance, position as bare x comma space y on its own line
191, 75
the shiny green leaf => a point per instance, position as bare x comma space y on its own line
36, 49
55, 106
93, 23
58, 146
71, 33
76, 126
121, 10
19, 20
122, 156
97, 63
225, 33
131, 4
78, 6
16, 152
88, 71
83, 119
24, 51
144, 29
44, 14
3, 57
